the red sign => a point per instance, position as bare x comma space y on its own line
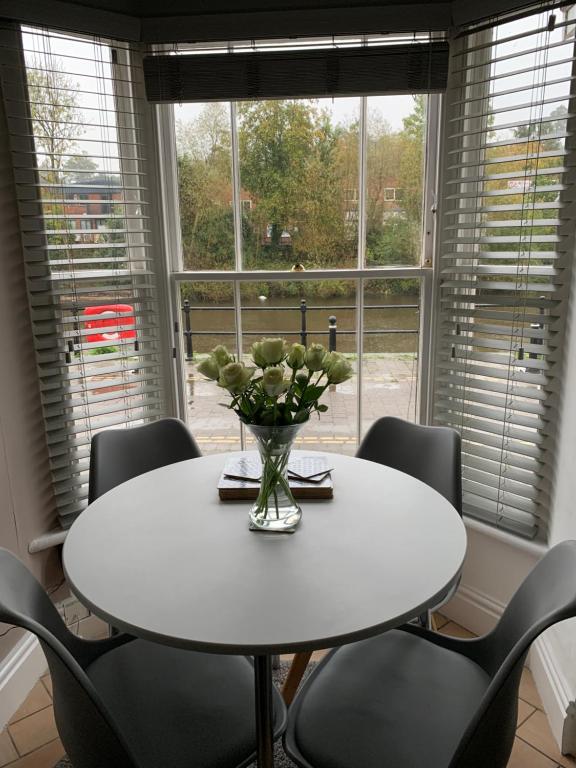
107, 321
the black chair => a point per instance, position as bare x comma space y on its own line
411, 698
430, 454
124, 703
118, 455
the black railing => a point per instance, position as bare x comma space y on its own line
332, 332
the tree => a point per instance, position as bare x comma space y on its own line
291, 165
412, 162
55, 114
537, 129
205, 189
80, 168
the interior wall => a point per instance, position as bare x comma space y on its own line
563, 637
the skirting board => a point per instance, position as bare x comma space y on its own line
473, 609
554, 690
19, 672
479, 613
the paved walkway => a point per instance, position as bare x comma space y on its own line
389, 388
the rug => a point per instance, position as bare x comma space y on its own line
281, 759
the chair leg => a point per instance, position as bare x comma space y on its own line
299, 664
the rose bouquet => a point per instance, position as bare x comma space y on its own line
274, 397
284, 385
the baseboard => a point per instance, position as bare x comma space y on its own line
19, 672
473, 609
553, 687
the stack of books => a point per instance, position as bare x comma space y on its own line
309, 475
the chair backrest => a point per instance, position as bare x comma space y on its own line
86, 728
547, 596
430, 454
118, 455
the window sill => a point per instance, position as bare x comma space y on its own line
47, 541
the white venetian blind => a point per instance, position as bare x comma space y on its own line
74, 116
507, 241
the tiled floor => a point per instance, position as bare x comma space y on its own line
31, 740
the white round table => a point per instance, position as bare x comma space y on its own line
161, 557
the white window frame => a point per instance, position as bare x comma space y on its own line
168, 189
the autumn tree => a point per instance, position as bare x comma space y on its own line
205, 189
290, 165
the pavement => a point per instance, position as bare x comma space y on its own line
389, 388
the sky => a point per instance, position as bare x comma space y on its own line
344, 110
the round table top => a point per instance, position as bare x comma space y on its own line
161, 557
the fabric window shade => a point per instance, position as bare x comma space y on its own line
74, 116
417, 67
506, 244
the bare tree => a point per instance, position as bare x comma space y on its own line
55, 115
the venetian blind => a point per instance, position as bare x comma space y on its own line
74, 115
507, 240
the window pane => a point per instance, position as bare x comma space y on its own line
299, 183
270, 309
275, 309
390, 347
211, 321
395, 157
203, 145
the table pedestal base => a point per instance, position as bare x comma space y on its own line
264, 712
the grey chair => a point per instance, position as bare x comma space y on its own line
125, 703
430, 454
118, 455
411, 698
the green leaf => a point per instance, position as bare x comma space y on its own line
322, 408
311, 394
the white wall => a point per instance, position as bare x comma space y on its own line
562, 638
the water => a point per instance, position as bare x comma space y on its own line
215, 323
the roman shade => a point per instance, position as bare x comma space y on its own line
413, 67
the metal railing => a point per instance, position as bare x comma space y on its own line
332, 331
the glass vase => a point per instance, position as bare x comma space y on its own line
275, 509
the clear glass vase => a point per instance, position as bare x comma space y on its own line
275, 509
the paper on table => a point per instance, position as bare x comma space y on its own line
245, 471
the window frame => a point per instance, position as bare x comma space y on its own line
176, 274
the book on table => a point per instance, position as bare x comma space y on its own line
309, 475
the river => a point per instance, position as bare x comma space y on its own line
214, 324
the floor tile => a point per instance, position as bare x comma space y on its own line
536, 731
7, 749
37, 699
524, 712
45, 757
34, 731
455, 630
47, 680
440, 620
528, 690
523, 756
